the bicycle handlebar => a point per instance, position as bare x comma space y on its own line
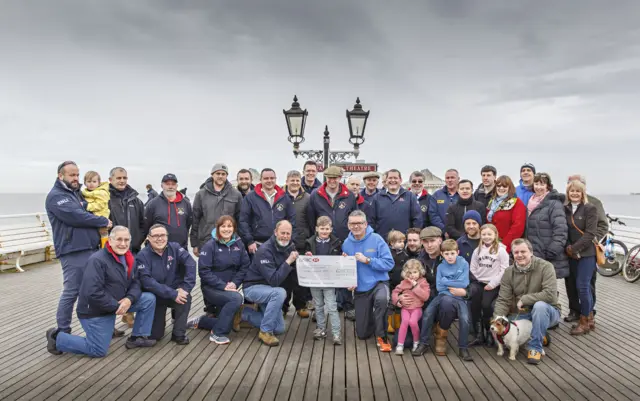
615, 220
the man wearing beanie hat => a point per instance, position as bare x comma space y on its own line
216, 198
471, 237
454, 217
524, 191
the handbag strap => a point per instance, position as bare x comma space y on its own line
582, 232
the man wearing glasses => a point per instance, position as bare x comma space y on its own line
371, 297
430, 216
169, 272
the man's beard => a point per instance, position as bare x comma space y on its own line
243, 187
70, 185
283, 244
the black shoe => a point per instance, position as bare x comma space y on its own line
489, 340
180, 340
117, 333
140, 342
572, 317
51, 341
465, 355
479, 340
422, 348
555, 326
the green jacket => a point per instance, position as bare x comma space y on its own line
603, 222
538, 284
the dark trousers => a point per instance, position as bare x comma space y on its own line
446, 309
572, 289
180, 314
345, 299
371, 311
227, 302
300, 295
482, 303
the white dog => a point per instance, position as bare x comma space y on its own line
511, 334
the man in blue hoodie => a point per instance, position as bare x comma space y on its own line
262, 209
75, 236
524, 191
445, 197
395, 208
262, 284
374, 261
110, 287
169, 272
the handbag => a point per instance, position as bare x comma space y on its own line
600, 259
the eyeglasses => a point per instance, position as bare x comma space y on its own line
158, 236
417, 181
357, 224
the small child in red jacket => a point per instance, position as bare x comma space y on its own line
410, 295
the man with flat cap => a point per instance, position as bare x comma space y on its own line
216, 198
370, 186
172, 210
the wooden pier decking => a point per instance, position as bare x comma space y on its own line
604, 365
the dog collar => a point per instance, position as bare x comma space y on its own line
499, 338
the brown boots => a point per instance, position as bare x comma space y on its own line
393, 322
390, 328
582, 327
441, 341
268, 339
592, 321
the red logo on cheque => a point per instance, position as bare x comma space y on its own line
316, 259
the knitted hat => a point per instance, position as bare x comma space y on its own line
473, 215
528, 165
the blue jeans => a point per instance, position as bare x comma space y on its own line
270, 299
99, 330
326, 297
584, 272
73, 265
428, 319
228, 303
446, 308
542, 317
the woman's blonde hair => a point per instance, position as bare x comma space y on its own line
496, 242
576, 184
413, 264
89, 176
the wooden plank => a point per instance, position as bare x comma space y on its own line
302, 371
380, 381
339, 366
286, 384
326, 375
352, 374
364, 374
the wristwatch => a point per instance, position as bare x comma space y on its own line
368, 260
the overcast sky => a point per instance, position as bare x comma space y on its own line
156, 86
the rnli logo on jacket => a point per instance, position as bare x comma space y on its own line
140, 267
170, 259
280, 207
180, 211
423, 208
264, 261
342, 205
235, 248
203, 253
401, 200
63, 201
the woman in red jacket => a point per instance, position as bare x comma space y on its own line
507, 212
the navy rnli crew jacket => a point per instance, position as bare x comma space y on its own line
320, 205
74, 229
429, 209
400, 214
441, 200
163, 275
221, 263
258, 219
106, 281
176, 216
269, 265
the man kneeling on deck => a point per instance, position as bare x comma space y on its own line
270, 267
110, 287
374, 262
169, 272
530, 285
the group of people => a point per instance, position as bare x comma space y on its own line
423, 260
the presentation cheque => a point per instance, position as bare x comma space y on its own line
327, 271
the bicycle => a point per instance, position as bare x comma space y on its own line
615, 252
631, 268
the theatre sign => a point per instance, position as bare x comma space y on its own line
357, 167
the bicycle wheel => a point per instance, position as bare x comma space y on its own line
613, 265
631, 268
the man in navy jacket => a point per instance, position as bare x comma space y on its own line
169, 272
110, 287
394, 208
445, 197
75, 236
262, 209
263, 283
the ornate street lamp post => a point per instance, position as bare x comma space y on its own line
296, 120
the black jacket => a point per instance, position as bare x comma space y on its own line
482, 196
453, 221
128, 210
105, 281
548, 233
336, 245
177, 216
585, 219
400, 257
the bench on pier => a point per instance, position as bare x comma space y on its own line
24, 239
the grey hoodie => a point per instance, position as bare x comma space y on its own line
208, 206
